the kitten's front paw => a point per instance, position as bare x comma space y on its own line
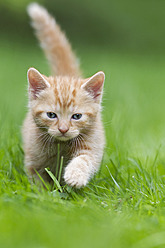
77, 174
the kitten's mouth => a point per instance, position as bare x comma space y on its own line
64, 137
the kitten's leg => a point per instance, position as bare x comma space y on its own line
79, 171
36, 172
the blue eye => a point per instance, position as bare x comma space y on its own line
51, 115
76, 116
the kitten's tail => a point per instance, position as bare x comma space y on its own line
54, 42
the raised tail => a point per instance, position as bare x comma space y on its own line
53, 42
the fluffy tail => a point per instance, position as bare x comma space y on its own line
53, 42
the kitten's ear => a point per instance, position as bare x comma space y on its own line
94, 85
37, 82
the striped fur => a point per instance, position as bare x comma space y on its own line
53, 42
65, 95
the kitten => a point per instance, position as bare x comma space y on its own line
64, 109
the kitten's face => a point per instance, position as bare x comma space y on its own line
66, 107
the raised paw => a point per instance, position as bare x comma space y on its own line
77, 174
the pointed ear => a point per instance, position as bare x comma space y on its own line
37, 82
94, 85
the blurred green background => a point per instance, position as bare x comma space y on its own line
133, 25
125, 39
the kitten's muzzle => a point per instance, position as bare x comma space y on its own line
63, 128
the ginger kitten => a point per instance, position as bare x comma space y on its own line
64, 109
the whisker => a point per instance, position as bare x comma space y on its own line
37, 128
83, 141
45, 142
50, 145
41, 137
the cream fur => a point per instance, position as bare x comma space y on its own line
53, 42
82, 140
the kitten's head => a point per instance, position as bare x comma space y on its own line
66, 107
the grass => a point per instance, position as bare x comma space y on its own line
124, 205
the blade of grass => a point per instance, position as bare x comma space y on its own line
54, 180
58, 160
117, 185
42, 180
60, 169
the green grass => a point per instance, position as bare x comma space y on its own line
124, 205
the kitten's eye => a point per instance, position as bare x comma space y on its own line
51, 115
76, 116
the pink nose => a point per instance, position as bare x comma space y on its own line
63, 129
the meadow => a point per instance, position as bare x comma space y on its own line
124, 205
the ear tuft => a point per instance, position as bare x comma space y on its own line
94, 85
37, 82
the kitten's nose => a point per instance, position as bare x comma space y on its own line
63, 128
